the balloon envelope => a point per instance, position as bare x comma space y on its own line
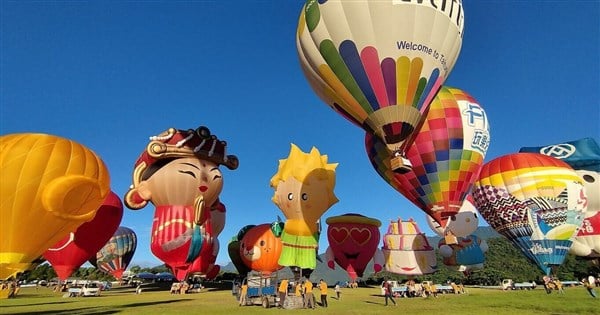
353, 239
447, 155
117, 253
535, 201
406, 250
75, 249
379, 63
260, 249
50, 186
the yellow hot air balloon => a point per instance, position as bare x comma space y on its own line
380, 63
50, 186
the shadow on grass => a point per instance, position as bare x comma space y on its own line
100, 310
47, 303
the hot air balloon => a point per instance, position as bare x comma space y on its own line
117, 253
406, 250
303, 186
535, 201
233, 248
447, 155
71, 252
179, 174
353, 241
50, 183
583, 156
260, 249
380, 63
466, 251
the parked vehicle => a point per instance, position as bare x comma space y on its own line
509, 284
262, 290
86, 289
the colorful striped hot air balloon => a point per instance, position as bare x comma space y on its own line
536, 201
380, 63
117, 253
447, 155
49, 186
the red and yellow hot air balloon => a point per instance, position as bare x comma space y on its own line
75, 249
50, 186
536, 201
447, 155
117, 253
380, 63
260, 249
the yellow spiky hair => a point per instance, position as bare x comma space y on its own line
300, 164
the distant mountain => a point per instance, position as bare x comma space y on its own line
338, 274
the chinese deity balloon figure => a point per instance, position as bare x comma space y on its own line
465, 251
179, 174
303, 185
47, 182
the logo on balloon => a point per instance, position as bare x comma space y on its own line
559, 151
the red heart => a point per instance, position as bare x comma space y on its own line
338, 234
360, 235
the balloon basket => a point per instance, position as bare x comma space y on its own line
400, 165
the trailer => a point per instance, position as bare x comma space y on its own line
262, 290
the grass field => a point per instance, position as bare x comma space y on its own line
353, 301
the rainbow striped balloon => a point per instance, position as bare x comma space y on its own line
447, 155
379, 63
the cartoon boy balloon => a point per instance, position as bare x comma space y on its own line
303, 187
467, 252
179, 173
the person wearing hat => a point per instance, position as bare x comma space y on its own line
178, 172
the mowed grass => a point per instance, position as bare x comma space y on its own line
353, 301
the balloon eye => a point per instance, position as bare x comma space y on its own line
262, 243
475, 215
588, 178
304, 196
453, 218
290, 196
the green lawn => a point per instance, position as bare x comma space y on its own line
353, 301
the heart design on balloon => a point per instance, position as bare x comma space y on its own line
339, 234
360, 235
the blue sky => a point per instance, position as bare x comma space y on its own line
110, 74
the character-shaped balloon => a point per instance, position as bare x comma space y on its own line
535, 201
303, 186
47, 183
179, 173
114, 257
466, 252
260, 249
72, 251
353, 241
583, 156
406, 250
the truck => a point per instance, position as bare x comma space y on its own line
262, 289
509, 284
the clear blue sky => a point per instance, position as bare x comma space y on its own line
109, 74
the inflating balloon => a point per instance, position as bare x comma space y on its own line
303, 185
260, 249
233, 248
50, 183
466, 251
179, 174
117, 253
583, 156
71, 252
353, 241
537, 202
406, 250
447, 155
380, 63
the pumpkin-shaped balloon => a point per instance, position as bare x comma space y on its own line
536, 201
49, 184
260, 249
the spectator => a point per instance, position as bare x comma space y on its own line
388, 293
283, 288
309, 298
338, 290
243, 293
323, 288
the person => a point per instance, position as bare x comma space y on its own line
300, 290
323, 288
589, 283
338, 291
283, 288
388, 293
243, 293
308, 294
138, 289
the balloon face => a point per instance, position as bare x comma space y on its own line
45, 179
379, 63
260, 249
406, 250
462, 224
536, 201
117, 253
75, 249
583, 156
447, 155
353, 239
